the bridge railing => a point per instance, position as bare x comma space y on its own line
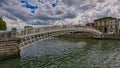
34, 32
52, 29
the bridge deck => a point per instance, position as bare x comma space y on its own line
62, 29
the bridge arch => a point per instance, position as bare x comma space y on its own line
56, 32
95, 33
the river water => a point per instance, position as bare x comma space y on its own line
68, 53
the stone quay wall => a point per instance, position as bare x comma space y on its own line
111, 36
9, 47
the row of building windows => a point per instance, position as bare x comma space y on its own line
107, 24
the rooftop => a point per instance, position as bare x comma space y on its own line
104, 18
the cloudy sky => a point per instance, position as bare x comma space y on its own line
67, 11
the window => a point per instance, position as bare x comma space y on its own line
116, 26
111, 22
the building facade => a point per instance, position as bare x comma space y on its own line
108, 25
114, 26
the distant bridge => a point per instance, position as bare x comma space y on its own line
29, 36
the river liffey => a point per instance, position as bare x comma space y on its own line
68, 53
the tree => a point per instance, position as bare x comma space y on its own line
3, 25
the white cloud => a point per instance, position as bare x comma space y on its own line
67, 11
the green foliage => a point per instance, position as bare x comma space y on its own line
2, 25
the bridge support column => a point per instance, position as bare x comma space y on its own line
37, 37
26, 41
50, 34
40, 37
44, 36
32, 39
29, 40
22, 43
47, 34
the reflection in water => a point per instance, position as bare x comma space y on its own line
49, 47
69, 53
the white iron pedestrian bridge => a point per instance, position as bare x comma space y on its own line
28, 36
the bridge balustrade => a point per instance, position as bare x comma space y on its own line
55, 29
31, 36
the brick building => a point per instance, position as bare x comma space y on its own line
90, 25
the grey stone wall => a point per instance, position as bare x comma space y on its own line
9, 46
9, 49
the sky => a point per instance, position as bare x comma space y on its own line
17, 14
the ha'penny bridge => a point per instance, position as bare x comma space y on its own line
11, 42
29, 36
